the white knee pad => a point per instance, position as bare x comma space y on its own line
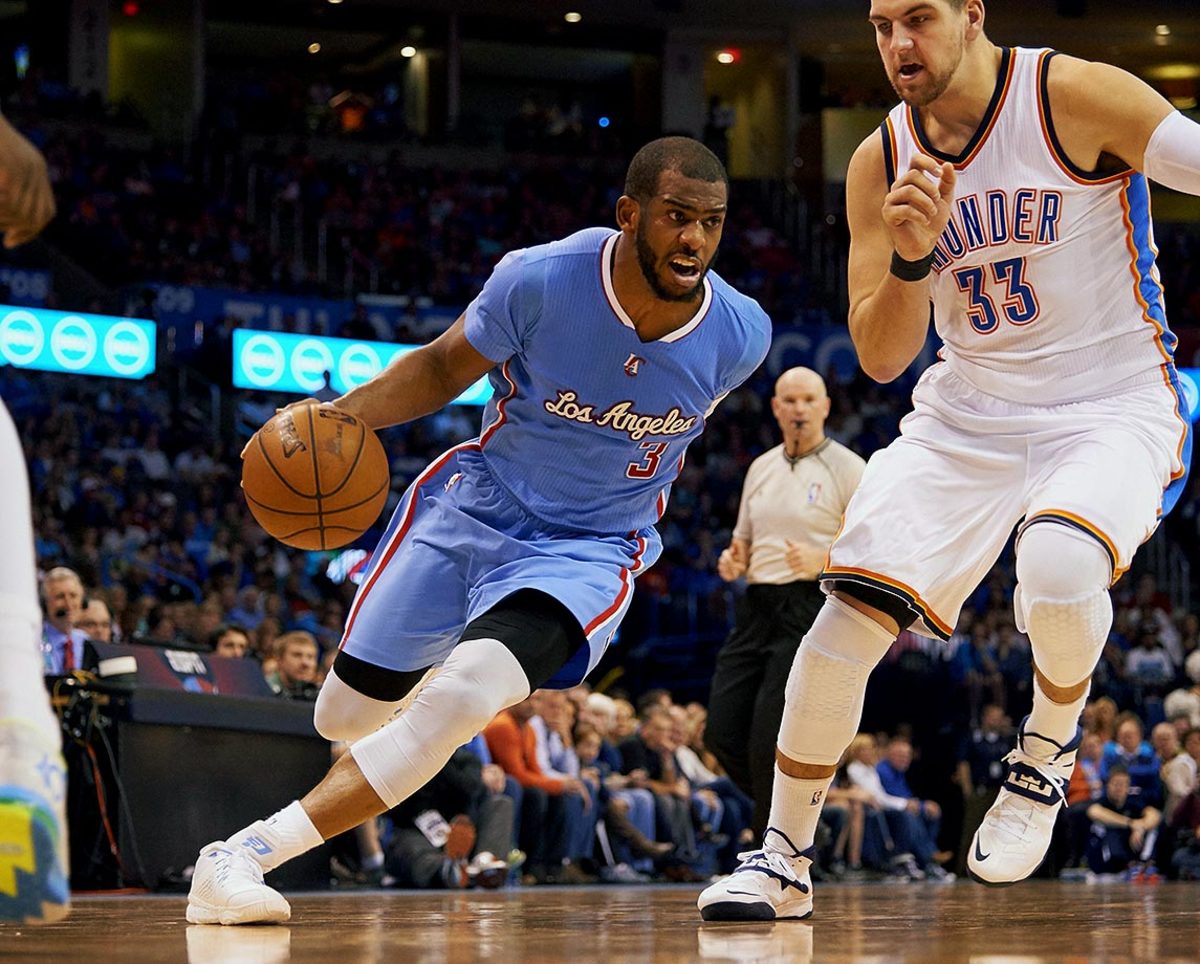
343, 713
479, 679
824, 695
1062, 600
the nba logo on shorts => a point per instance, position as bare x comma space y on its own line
632, 363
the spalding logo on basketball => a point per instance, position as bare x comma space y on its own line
315, 477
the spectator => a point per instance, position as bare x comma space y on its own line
1150, 671
1085, 788
1178, 772
1186, 699
95, 621
1136, 756
862, 755
449, 832
1124, 828
651, 750
62, 643
551, 808
230, 640
295, 674
921, 818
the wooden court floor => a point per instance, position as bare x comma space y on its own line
1035, 922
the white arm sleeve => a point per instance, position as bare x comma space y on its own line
1173, 154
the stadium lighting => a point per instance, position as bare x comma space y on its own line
728, 56
1163, 30
572, 17
335, 2
408, 51
314, 48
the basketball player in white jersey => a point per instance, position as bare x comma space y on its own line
33, 831
1009, 189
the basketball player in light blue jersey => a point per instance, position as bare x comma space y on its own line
511, 559
1009, 191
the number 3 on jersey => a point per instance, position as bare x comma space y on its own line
648, 465
1020, 305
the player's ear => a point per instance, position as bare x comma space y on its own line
628, 211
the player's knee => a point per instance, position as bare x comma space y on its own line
824, 694
342, 713
1059, 563
1062, 601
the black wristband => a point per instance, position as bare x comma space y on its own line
912, 270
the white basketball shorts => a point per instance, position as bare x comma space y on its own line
936, 507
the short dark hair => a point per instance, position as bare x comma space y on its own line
683, 154
215, 636
1116, 769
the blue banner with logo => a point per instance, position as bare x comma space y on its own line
276, 361
60, 341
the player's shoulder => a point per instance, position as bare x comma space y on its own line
586, 243
726, 298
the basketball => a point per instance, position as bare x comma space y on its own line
315, 477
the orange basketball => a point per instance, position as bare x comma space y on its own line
314, 477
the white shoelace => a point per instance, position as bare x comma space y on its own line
772, 858
1017, 813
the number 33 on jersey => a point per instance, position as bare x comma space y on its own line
1045, 272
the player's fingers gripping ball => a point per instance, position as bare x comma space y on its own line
315, 477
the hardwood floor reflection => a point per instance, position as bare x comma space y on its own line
1039, 921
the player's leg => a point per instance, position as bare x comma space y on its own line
408, 615
33, 828
906, 552
1094, 503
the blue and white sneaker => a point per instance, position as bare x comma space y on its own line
769, 884
1014, 837
33, 827
227, 888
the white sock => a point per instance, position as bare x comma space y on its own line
372, 861
795, 809
278, 839
1057, 721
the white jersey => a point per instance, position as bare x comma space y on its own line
1045, 287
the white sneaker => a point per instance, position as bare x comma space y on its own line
228, 888
768, 884
33, 827
1014, 837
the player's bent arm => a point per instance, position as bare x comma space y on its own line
1101, 109
889, 318
419, 382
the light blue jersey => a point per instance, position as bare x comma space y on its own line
588, 424
585, 435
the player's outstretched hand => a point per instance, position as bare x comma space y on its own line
732, 563
917, 207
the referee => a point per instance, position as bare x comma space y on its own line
792, 504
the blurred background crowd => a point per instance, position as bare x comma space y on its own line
329, 184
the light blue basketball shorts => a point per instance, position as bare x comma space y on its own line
458, 544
